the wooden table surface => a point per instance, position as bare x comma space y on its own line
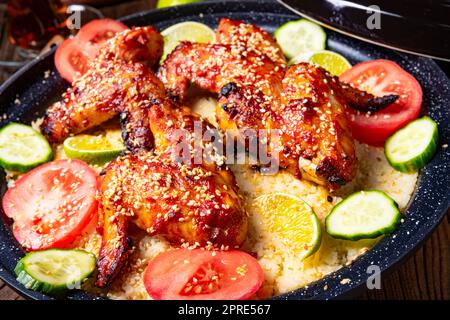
425, 275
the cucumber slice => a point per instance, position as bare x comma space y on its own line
296, 37
363, 215
413, 146
22, 148
55, 271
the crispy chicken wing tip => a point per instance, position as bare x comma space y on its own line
364, 101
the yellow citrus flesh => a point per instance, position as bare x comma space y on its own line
170, 3
95, 148
186, 31
291, 220
331, 61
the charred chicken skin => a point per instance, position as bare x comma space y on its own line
188, 203
118, 81
304, 103
195, 203
192, 203
249, 37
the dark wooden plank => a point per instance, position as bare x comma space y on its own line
2, 284
6, 293
426, 275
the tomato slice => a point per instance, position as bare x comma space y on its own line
73, 55
52, 204
71, 60
100, 30
184, 274
382, 77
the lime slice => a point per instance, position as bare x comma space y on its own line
331, 61
291, 220
95, 149
296, 37
186, 31
170, 3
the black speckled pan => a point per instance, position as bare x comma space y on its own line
431, 199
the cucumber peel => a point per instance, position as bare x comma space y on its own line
55, 271
300, 36
363, 215
413, 146
22, 148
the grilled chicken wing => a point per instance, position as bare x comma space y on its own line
305, 104
169, 191
212, 66
163, 193
249, 37
315, 136
118, 82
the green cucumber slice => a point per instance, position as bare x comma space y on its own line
363, 215
55, 271
22, 148
301, 36
413, 146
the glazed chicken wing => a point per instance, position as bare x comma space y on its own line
316, 139
305, 104
118, 82
249, 37
188, 203
212, 66
249, 84
169, 191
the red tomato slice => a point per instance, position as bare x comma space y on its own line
100, 30
382, 77
73, 55
71, 60
197, 274
52, 204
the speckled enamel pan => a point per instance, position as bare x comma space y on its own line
432, 195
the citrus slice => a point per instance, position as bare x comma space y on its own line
291, 220
170, 3
296, 37
331, 61
186, 31
95, 149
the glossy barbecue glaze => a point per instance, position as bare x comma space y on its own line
119, 81
305, 104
